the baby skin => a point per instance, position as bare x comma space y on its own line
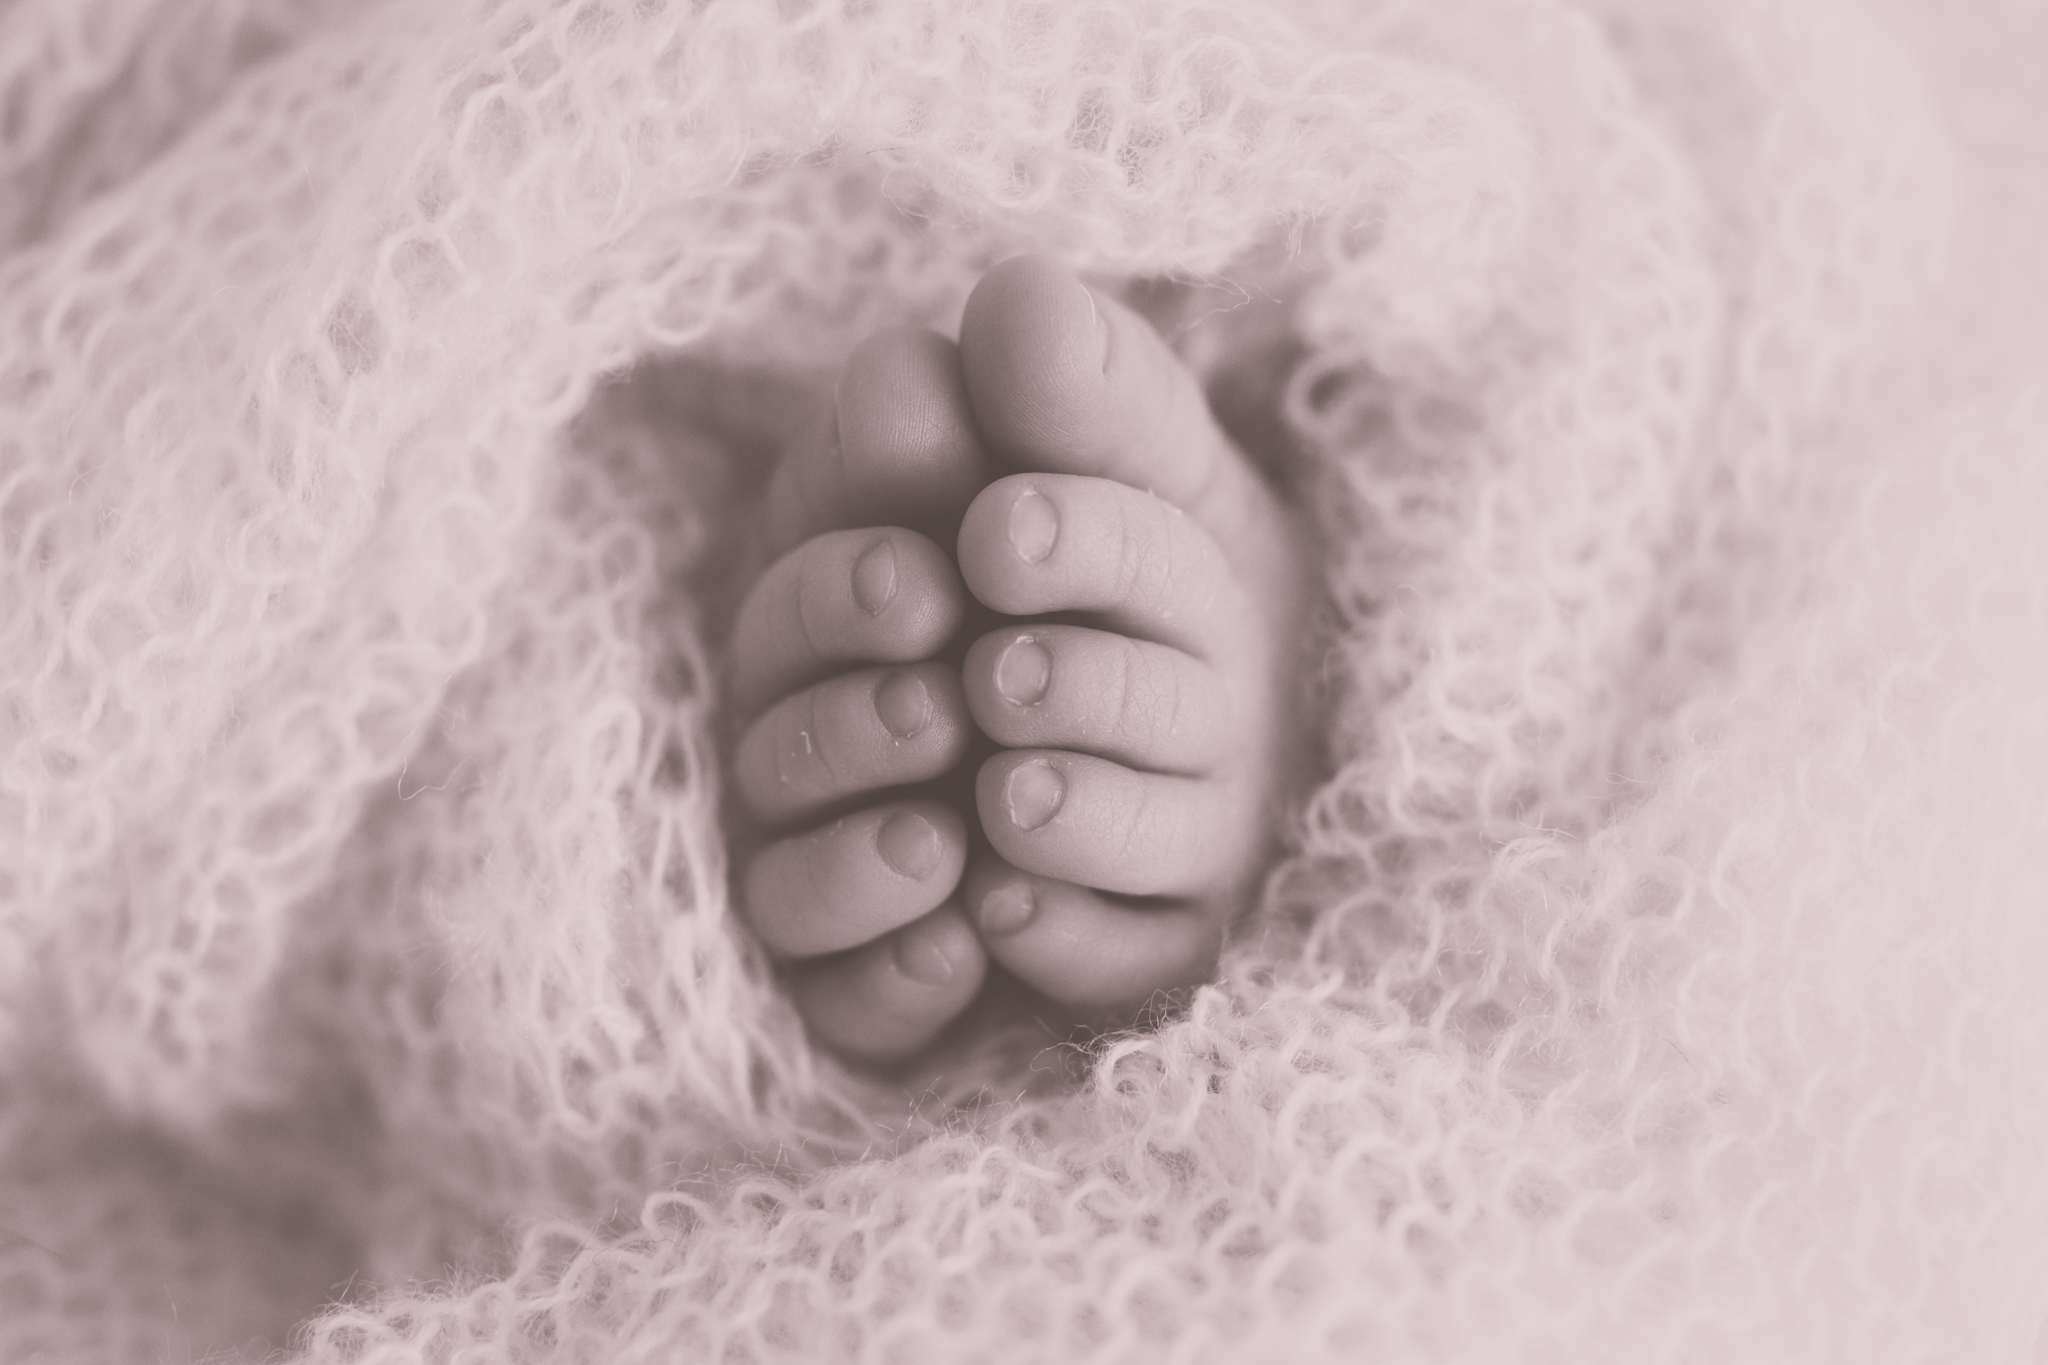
1087, 792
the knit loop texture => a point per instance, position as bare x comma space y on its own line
1651, 973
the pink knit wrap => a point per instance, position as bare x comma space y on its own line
1654, 975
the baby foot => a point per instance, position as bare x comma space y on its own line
834, 658
1146, 710
1143, 701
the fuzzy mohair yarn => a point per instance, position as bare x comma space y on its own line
1653, 972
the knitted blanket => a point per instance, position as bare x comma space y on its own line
1652, 974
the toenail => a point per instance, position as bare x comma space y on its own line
1034, 526
1101, 321
909, 845
1035, 791
903, 704
874, 577
920, 959
1024, 672
1007, 909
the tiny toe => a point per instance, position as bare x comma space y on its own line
1035, 544
1076, 818
879, 595
856, 878
856, 733
898, 447
1084, 950
885, 1000
1095, 692
1066, 379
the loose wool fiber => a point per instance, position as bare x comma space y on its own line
1653, 973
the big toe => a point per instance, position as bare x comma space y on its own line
1064, 379
897, 448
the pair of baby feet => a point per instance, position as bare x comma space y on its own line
1020, 685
